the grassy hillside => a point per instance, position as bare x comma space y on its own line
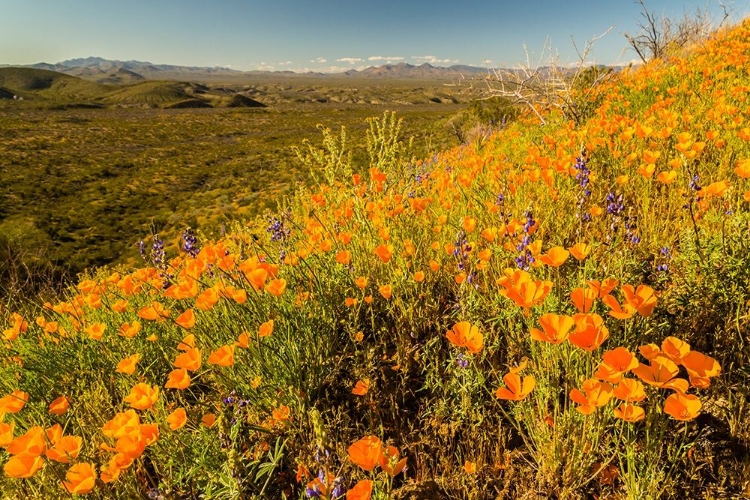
557, 311
83, 186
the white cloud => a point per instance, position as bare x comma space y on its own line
318, 60
285, 63
350, 60
487, 62
385, 58
433, 59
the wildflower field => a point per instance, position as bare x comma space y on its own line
556, 311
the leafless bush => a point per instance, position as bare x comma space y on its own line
658, 35
26, 273
547, 84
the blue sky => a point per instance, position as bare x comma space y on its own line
323, 35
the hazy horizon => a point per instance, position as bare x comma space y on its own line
329, 36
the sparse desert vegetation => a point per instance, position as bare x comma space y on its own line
90, 173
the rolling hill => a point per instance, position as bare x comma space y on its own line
48, 87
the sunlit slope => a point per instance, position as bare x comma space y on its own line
553, 310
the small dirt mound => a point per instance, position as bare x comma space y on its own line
241, 101
188, 103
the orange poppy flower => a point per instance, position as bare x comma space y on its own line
32, 443
366, 453
131, 445
630, 389
515, 389
142, 396
469, 224
470, 467
149, 433
360, 491
257, 278
489, 234
54, 434
485, 255
583, 299
223, 356
556, 328
207, 299
651, 156
743, 169
243, 341
186, 319
646, 170
385, 291
361, 282
529, 293
580, 250
667, 177
385, 252
67, 448
95, 331
129, 330
122, 424
630, 413
659, 372
266, 329
700, 368
344, 257
682, 406
615, 364
177, 419
154, 312
626, 311
13, 402
603, 288
80, 479
361, 387
419, 276
675, 348
178, 379
281, 414
555, 257
716, 188
190, 359
6, 433
276, 287
208, 420
128, 365
595, 394
589, 333
23, 467
650, 351
59, 406
642, 299
464, 334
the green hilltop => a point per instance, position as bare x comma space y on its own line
46, 88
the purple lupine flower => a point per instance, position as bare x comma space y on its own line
277, 229
142, 250
462, 361
190, 242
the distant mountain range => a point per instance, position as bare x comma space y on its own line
114, 72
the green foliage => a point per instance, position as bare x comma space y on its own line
102, 179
